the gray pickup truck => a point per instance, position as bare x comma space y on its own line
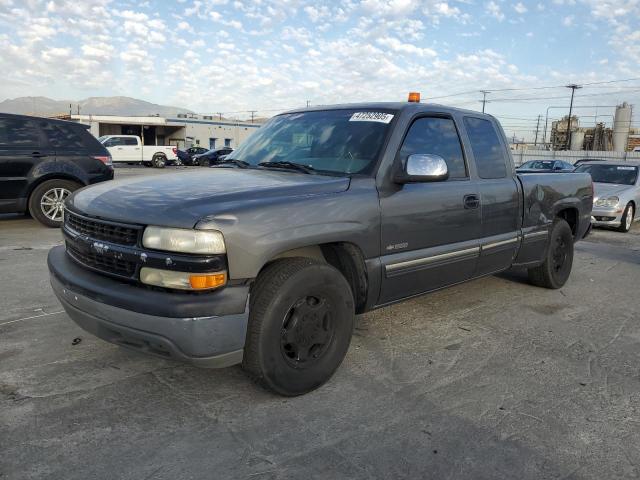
320, 215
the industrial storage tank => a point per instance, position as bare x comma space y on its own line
577, 139
621, 126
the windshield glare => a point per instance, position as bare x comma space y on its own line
331, 141
539, 165
619, 174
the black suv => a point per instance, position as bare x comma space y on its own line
42, 161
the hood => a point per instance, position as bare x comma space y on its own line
181, 199
609, 189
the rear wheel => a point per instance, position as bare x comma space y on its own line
300, 325
627, 218
46, 203
159, 160
555, 270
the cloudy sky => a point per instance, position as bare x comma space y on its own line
267, 55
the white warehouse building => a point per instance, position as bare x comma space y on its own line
183, 131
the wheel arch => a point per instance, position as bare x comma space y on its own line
346, 257
572, 216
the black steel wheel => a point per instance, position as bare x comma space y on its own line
301, 321
556, 268
307, 331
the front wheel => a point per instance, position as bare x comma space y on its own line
555, 270
300, 325
46, 203
627, 218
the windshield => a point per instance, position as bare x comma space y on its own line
619, 174
331, 141
539, 165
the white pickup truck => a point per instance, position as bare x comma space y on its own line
129, 149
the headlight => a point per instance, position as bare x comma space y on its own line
607, 202
182, 280
184, 240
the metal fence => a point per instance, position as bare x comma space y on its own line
521, 156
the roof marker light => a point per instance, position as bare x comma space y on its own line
414, 97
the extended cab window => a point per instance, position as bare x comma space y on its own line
130, 141
15, 132
487, 149
436, 136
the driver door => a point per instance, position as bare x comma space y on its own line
430, 230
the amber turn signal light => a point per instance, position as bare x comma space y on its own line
414, 97
213, 280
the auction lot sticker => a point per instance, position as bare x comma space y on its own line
380, 117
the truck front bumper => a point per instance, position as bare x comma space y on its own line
205, 329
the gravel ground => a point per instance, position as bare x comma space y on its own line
493, 379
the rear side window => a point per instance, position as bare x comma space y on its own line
16, 132
129, 141
487, 149
437, 136
65, 136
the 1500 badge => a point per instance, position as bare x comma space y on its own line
397, 246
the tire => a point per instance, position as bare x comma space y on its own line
627, 218
555, 270
301, 320
159, 160
195, 163
46, 201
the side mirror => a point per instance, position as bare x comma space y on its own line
423, 168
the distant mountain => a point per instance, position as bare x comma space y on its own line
88, 106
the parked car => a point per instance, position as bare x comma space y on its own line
211, 157
42, 161
186, 156
616, 193
582, 161
129, 149
321, 214
539, 166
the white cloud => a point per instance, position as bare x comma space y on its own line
494, 10
397, 46
520, 8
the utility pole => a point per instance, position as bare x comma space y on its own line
535, 142
219, 115
573, 88
484, 98
308, 103
253, 112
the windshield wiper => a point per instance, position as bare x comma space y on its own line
288, 165
232, 161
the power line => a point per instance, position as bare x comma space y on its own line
531, 88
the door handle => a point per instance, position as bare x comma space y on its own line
471, 201
38, 154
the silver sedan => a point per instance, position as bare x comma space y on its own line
616, 193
